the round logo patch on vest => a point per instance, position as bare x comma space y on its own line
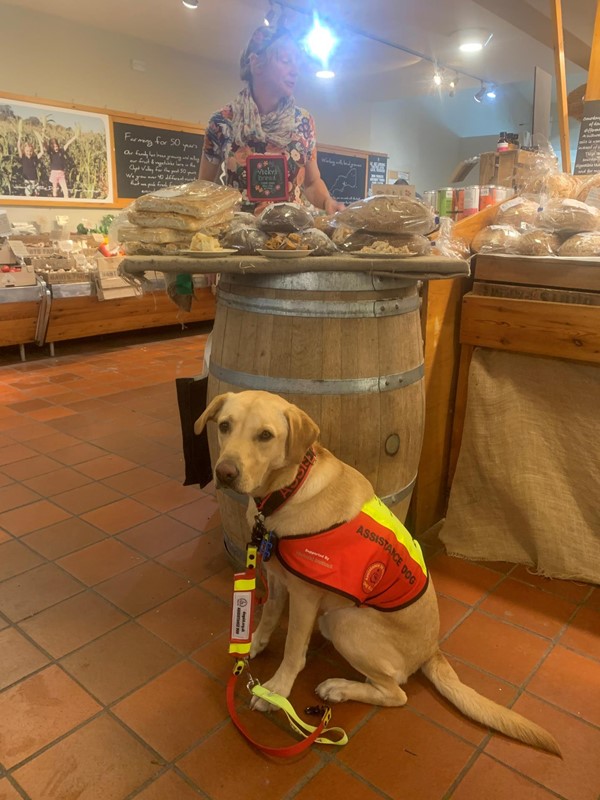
373, 575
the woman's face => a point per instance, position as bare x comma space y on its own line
55, 147
280, 72
28, 150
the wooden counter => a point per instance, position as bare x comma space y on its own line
77, 314
21, 311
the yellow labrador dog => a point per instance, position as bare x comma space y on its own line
269, 452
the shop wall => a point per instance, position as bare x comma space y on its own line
78, 64
417, 141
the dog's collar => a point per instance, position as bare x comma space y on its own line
274, 500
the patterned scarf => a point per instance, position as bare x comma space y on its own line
248, 124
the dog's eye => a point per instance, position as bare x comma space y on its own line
224, 427
265, 435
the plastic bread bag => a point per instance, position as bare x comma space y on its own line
323, 223
519, 212
495, 239
387, 213
535, 167
569, 216
241, 219
285, 218
447, 243
119, 224
135, 233
154, 249
163, 219
180, 222
197, 199
537, 242
244, 240
318, 242
589, 189
407, 244
581, 245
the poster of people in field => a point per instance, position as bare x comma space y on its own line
53, 154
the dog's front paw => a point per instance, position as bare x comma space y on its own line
258, 704
333, 690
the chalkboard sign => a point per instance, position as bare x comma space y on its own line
345, 176
588, 149
149, 158
267, 178
377, 169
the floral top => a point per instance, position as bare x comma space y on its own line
301, 149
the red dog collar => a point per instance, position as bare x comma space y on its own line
274, 500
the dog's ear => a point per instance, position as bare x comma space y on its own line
211, 411
303, 432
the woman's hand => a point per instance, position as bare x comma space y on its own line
332, 205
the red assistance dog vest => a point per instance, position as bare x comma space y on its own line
372, 559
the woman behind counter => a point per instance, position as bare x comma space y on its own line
264, 119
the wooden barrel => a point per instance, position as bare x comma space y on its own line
344, 347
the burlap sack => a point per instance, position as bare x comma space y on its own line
527, 484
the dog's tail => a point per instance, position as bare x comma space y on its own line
485, 711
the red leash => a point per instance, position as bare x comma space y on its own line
244, 588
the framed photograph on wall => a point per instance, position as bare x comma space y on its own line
54, 155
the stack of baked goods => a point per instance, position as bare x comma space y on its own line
385, 225
522, 228
165, 221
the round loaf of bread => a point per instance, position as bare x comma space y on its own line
386, 213
564, 216
518, 212
582, 245
495, 239
537, 243
408, 244
285, 218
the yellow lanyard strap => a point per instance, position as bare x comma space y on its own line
297, 724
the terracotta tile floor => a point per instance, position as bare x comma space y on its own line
114, 602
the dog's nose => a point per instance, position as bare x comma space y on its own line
227, 472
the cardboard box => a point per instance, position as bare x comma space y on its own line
110, 284
400, 190
506, 168
26, 277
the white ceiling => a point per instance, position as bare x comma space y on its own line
217, 31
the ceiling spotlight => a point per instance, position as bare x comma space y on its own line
452, 86
480, 94
320, 41
473, 40
190, 3
437, 78
325, 73
491, 92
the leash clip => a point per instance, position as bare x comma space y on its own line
316, 710
252, 682
266, 545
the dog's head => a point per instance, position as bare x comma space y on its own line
260, 435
